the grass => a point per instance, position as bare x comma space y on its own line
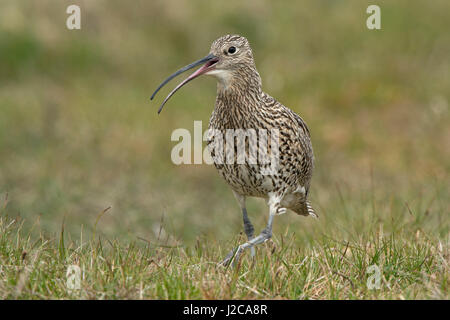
412, 265
78, 135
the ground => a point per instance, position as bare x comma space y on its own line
79, 135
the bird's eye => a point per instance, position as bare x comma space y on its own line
231, 50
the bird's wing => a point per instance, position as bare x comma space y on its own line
303, 152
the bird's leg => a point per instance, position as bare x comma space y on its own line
266, 234
248, 228
249, 231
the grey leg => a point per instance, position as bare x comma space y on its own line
266, 234
248, 228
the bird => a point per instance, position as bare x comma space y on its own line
241, 105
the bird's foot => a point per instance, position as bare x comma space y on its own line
252, 252
234, 255
225, 262
229, 258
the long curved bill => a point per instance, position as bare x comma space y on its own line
208, 64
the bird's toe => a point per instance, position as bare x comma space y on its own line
252, 252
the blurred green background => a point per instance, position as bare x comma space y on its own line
78, 132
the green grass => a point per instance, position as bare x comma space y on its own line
78, 134
413, 264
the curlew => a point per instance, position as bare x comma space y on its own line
242, 105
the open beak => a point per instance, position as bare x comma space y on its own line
208, 64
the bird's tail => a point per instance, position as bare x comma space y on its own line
310, 209
305, 208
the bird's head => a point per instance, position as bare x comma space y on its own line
234, 57
230, 60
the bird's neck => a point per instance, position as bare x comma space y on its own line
240, 97
240, 85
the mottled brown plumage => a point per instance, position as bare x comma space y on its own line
241, 104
